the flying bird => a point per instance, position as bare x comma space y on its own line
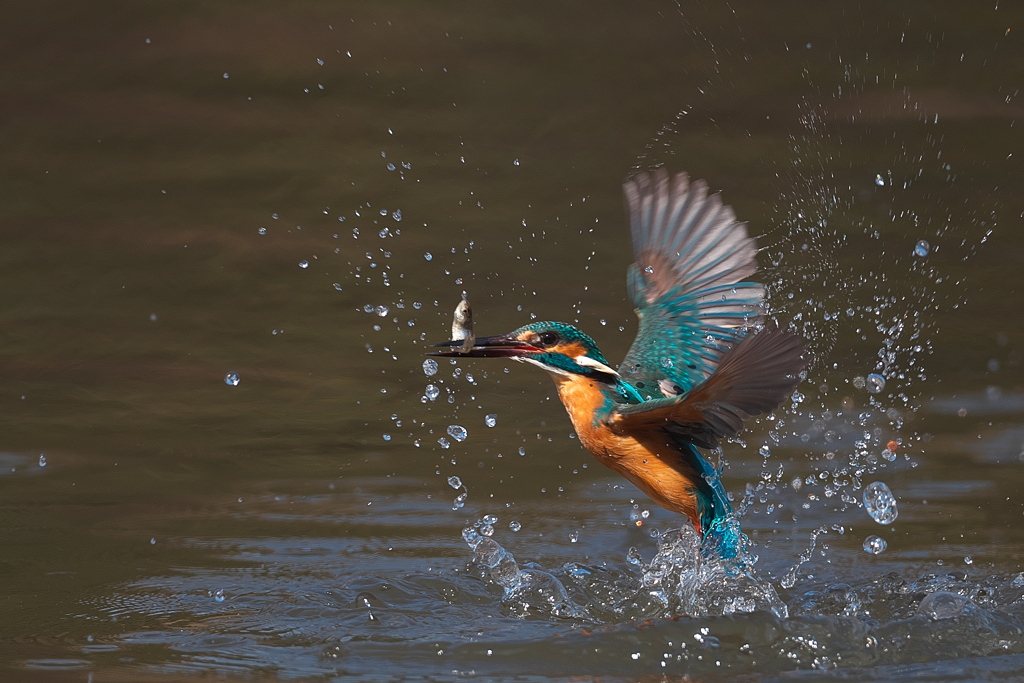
702, 363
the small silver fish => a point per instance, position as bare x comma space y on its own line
462, 325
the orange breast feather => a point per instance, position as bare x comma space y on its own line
646, 458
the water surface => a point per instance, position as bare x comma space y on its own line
299, 194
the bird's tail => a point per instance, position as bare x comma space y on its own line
718, 525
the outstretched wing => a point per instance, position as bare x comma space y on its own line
753, 377
691, 256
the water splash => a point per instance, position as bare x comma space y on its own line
685, 577
688, 577
525, 590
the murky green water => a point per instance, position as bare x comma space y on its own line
199, 189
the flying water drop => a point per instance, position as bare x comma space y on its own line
432, 392
430, 367
874, 383
457, 432
874, 544
232, 379
42, 460
880, 503
922, 248
303, 264
454, 482
491, 420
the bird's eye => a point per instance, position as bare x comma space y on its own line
547, 338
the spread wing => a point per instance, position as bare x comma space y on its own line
686, 284
753, 377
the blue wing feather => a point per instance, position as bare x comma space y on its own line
687, 282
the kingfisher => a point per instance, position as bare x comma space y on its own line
703, 361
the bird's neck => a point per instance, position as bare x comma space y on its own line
587, 400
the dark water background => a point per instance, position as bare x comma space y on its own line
300, 524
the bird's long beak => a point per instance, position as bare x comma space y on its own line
499, 346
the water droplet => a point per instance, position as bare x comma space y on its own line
574, 537
444, 442
457, 432
381, 310
218, 595
42, 460
879, 180
454, 482
432, 392
391, 166
460, 501
303, 264
874, 383
337, 286
430, 367
888, 455
491, 420
232, 379
262, 231
880, 503
874, 544
387, 437
514, 525
396, 215
522, 450
922, 248
515, 162
428, 256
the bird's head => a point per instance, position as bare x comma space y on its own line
559, 348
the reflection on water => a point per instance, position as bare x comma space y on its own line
226, 241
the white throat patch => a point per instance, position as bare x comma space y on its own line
589, 362
585, 361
